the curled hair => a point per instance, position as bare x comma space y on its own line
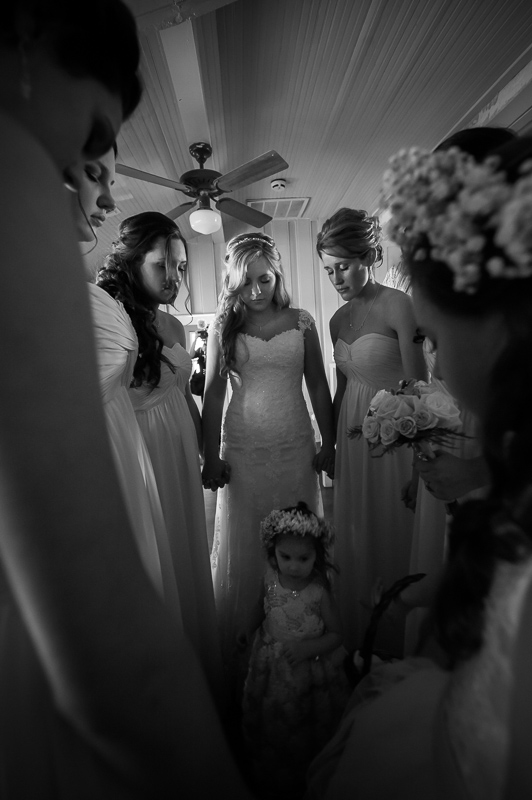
322, 566
350, 234
102, 44
121, 277
499, 527
231, 313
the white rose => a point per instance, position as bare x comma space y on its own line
379, 397
406, 426
388, 432
444, 409
406, 406
387, 406
425, 418
370, 429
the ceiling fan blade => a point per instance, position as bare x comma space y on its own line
261, 167
242, 212
131, 172
176, 212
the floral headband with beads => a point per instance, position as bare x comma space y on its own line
458, 205
296, 523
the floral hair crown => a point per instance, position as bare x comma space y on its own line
296, 523
461, 207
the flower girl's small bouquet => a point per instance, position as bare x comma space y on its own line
417, 415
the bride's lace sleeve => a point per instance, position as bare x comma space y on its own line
305, 321
216, 325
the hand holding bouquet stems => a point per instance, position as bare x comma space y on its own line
423, 450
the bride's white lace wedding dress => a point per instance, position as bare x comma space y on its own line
268, 440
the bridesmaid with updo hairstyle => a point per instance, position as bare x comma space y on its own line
373, 336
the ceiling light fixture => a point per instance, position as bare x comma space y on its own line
205, 220
278, 184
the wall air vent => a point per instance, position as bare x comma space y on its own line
285, 208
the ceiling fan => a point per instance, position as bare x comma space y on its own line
205, 185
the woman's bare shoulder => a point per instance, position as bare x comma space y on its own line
338, 318
172, 328
290, 313
172, 322
395, 301
390, 294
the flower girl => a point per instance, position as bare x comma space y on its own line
296, 688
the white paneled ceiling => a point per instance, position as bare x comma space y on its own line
335, 86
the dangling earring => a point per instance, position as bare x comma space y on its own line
24, 76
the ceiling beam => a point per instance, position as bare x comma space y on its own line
182, 59
170, 14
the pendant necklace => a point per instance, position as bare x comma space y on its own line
367, 315
294, 592
264, 324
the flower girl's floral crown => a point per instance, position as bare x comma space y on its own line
293, 521
459, 208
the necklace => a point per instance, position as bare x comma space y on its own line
264, 324
367, 315
293, 592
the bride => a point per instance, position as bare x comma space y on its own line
267, 457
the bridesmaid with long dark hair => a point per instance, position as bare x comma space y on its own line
145, 270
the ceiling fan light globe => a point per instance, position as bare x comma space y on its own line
205, 221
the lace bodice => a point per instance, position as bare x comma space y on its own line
267, 404
144, 397
292, 615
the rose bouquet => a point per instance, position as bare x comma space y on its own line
417, 415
